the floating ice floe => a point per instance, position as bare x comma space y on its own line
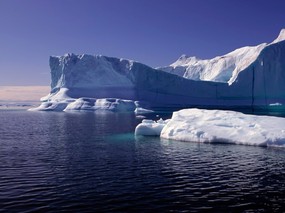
218, 126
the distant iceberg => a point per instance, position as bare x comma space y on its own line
249, 77
217, 126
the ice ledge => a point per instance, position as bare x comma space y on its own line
92, 104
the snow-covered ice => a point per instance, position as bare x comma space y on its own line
219, 69
218, 126
223, 68
281, 37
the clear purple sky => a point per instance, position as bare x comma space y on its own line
154, 32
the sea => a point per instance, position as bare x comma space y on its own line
93, 162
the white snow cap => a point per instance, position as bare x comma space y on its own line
281, 37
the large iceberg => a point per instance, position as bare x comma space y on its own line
217, 126
250, 77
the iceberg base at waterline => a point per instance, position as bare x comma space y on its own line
88, 104
218, 126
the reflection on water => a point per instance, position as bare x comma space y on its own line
86, 162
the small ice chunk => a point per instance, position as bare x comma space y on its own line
150, 127
140, 110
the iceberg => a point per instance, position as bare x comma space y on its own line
249, 77
218, 126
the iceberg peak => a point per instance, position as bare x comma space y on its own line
183, 60
183, 57
281, 37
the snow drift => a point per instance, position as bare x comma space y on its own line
250, 77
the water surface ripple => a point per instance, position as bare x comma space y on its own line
88, 162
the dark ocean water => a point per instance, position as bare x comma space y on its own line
88, 162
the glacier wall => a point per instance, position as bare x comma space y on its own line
259, 85
91, 76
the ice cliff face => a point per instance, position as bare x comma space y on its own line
94, 76
249, 77
87, 71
